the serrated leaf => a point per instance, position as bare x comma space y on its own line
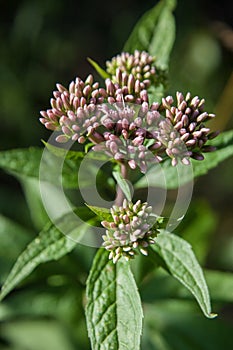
174, 179
122, 183
155, 32
113, 311
26, 162
102, 213
50, 244
98, 69
181, 262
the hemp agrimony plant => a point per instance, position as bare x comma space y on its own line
130, 140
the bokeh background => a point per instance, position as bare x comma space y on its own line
43, 42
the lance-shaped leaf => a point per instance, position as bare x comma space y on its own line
155, 32
98, 69
179, 259
102, 213
113, 311
27, 162
50, 244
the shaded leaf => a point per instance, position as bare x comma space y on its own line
32, 193
220, 285
64, 153
114, 313
182, 264
50, 244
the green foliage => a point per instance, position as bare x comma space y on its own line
103, 74
102, 213
155, 33
181, 262
51, 244
114, 313
123, 185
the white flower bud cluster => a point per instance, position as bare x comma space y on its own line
132, 230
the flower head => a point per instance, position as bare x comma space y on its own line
182, 132
132, 230
127, 134
139, 64
74, 109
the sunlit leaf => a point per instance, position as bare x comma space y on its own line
182, 264
114, 313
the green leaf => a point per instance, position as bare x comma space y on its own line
198, 227
102, 213
224, 144
50, 244
174, 179
113, 311
181, 262
155, 32
98, 69
32, 193
64, 153
123, 184
21, 161
13, 238
220, 285
156, 93
26, 162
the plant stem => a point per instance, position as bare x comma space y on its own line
119, 193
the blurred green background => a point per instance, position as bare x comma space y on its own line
44, 42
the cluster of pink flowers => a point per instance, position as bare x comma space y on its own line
121, 121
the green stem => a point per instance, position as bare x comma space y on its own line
119, 193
